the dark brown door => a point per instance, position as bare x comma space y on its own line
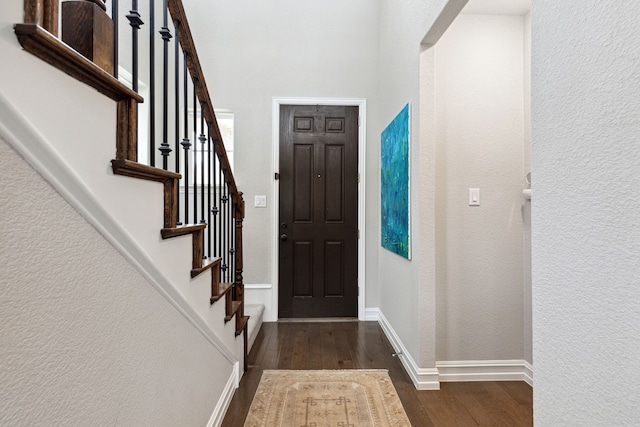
318, 269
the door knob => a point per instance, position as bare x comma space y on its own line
283, 237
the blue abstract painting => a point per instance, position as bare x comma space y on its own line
394, 161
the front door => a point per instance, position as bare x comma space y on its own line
318, 223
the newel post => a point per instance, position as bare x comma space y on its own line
43, 13
87, 28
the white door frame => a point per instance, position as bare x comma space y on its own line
361, 103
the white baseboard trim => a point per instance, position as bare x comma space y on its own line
225, 399
249, 286
528, 373
485, 370
422, 378
372, 314
452, 371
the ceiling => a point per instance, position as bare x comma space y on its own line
497, 7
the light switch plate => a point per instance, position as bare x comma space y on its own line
260, 202
474, 197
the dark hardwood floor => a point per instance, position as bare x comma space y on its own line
363, 345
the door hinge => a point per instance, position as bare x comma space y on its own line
358, 177
277, 176
358, 234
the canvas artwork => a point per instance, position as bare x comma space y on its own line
394, 161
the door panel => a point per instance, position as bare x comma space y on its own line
333, 267
334, 179
302, 269
303, 183
318, 258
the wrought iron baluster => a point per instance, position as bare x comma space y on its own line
203, 140
209, 154
195, 151
220, 214
220, 237
186, 144
226, 233
135, 22
223, 243
176, 26
228, 227
215, 209
152, 85
164, 148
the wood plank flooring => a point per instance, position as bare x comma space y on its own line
363, 345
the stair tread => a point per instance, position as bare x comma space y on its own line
223, 288
240, 326
181, 230
206, 265
235, 306
138, 170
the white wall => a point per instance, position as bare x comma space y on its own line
255, 50
585, 217
85, 339
407, 288
480, 143
526, 208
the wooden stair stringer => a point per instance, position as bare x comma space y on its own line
234, 308
200, 264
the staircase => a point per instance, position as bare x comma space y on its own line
215, 202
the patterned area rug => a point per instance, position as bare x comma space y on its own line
345, 398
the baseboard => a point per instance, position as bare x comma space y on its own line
422, 378
528, 373
371, 314
452, 371
485, 370
249, 286
225, 399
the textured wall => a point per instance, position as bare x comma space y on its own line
480, 124
585, 217
85, 339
